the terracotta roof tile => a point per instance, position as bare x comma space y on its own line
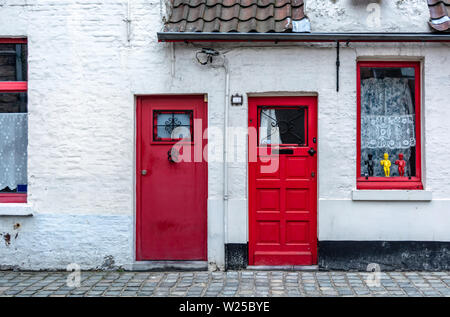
439, 15
245, 16
262, 16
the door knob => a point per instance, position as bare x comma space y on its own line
144, 172
169, 156
173, 155
312, 151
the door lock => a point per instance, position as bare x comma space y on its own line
312, 151
144, 172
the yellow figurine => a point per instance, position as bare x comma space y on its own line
386, 165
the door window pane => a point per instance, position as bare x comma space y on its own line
13, 62
388, 121
283, 125
172, 125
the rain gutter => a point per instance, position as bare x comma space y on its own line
301, 37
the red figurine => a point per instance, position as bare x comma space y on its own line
401, 164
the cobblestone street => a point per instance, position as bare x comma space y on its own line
228, 284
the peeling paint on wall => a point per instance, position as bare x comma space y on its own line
7, 238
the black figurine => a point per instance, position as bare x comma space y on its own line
369, 164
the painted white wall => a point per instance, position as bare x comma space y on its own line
368, 15
83, 76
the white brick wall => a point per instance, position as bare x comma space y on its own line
83, 75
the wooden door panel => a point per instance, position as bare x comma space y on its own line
298, 167
283, 202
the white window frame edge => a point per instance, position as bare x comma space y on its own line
392, 195
16, 210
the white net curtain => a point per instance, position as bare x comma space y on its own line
387, 122
13, 149
269, 131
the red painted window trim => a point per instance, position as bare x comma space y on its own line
394, 182
13, 86
13, 40
12, 198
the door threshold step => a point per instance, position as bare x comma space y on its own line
170, 266
283, 267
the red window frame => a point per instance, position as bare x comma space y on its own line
9, 87
410, 183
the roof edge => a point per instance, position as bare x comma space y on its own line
301, 37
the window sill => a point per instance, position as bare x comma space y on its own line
16, 210
392, 195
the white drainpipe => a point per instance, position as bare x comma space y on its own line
225, 149
225, 66
127, 20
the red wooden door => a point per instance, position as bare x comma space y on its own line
283, 181
171, 178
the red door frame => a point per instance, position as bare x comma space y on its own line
253, 121
415, 183
139, 98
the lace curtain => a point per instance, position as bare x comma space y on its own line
269, 131
387, 122
13, 149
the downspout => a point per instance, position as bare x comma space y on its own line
127, 20
225, 66
225, 149
172, 59
338, 64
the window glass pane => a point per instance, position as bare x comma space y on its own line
282, 126
13, 142
13, 62
388, 121
13, 102
173, 125
180, 132
177, 118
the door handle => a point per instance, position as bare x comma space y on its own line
312, 151
169, 156
173, 155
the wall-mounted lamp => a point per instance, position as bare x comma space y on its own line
237, 100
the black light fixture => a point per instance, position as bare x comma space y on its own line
237, 100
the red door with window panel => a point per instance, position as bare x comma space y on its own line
171, 178
283, 181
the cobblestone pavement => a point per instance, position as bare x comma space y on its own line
243, 283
